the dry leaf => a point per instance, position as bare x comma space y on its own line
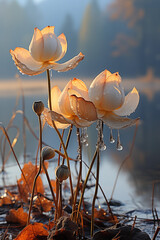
102, 215
17, 216
25, 185
43, 203
5, 200
34, 231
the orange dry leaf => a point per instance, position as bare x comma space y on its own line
33, 231
5, 200
102, 215
17, 216
25, 185
45, 204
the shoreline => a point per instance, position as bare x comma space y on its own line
12, 87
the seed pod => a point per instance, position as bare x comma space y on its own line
38, 107
62, 173
47, 153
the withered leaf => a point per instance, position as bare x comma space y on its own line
17, 216
25, 185
33, 231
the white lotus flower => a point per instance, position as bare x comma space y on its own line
107, 94
44, 51
71, 106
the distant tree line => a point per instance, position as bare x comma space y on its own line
124, 36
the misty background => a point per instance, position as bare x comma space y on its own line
119, 35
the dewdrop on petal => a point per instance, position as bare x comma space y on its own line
38, 107
62, 172
47, 153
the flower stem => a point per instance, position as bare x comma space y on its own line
80, 171
95, 194
40, 167
50, 185
59, 135
85, 183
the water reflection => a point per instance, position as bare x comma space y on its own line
138, 172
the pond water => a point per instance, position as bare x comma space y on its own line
135, 183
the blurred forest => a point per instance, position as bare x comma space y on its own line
124, 36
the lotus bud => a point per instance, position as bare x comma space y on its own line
38, 107
47, 153
62, 173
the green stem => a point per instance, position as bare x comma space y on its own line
39, 171
59, 135
95, 194
85, 183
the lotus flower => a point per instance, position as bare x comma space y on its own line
107, 94
44, 51
71, 106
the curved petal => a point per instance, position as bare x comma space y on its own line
55, 93
63, 44
59, 120
64, 67
25, 62
48, 30
81, 122
27, 65
130, 103
96, 88
37, 45
78, 88
64, 104
116, 122
82, 108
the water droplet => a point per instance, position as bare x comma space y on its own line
84, 136
86, 144
119, 146
98, 126
112, 140
102, 147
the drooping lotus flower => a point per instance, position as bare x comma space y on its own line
44, 51
71, 106
112, 105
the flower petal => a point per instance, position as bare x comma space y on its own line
64, 67
25, 62
79, 88
55, 93
82, 108
116, 122
59, 120
37, 45
48, 30
27, 65
97, 87
130, 103
63, 43
81, 122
